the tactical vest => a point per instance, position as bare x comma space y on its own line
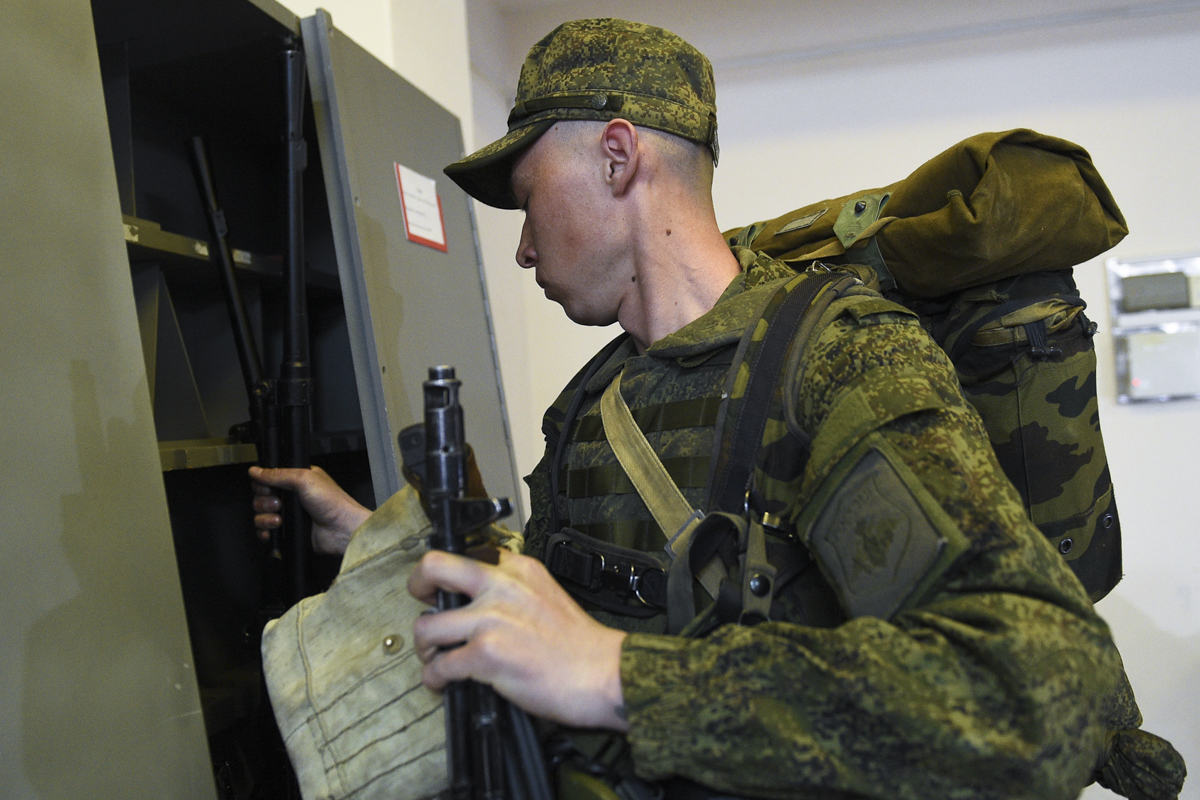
614, 562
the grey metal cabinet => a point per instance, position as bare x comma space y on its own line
131, 581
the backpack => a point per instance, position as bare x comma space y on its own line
979, 242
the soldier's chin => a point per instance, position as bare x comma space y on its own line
587, 316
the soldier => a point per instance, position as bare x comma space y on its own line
920, 638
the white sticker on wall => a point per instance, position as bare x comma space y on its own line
422, 208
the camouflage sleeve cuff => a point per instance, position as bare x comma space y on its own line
660, 700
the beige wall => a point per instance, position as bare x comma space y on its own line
820, 121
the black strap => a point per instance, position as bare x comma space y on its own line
618, 579
732, 478
964, 338
673, 416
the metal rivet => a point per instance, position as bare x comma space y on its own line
392, 644
1065, 545
860, 206
760, 585
1109, 520
599, 101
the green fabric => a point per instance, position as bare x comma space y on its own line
688, 472
992, 683
638, 460
993, 206
669, 416
597, 69
1041, 413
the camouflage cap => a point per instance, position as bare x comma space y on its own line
597, 69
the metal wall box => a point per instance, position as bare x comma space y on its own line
1155, 306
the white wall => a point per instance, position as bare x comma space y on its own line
821, 123
425, 41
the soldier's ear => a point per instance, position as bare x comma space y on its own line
619, 147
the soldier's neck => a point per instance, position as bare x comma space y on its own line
680, 272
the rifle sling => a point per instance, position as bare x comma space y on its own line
670, 509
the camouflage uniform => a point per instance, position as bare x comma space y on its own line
991, 683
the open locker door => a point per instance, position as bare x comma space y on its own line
407, 255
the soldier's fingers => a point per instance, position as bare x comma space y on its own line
439, 570
446, 667
266, 503
280, 478
265, 523
444, 630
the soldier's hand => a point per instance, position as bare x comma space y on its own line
523, 635
335, 514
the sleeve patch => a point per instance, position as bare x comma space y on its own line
878, 535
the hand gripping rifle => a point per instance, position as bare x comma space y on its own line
491, 747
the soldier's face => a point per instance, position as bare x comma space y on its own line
568, 238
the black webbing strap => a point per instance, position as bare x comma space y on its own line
687, 472
968, 334
731, 475
700, 412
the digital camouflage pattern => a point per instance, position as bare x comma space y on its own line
597, 69
993, 225
996, 680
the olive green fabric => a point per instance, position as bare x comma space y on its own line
877, 532
993, 682
993, 206
597, 69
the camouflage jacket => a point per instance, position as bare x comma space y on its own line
992, 679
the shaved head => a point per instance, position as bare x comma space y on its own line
690, 162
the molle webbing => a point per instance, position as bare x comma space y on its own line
700, 412
572, 411
638, 534
688, 472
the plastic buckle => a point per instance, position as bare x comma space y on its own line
618, 576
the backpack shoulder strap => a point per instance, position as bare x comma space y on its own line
790, 316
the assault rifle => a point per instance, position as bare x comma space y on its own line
279, 409
492, 750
